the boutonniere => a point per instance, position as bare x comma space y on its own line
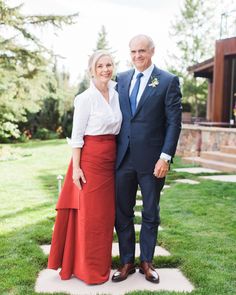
154, 82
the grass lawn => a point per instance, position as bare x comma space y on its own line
199, 222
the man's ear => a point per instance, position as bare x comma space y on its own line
153, 51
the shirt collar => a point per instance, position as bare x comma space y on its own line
146, 73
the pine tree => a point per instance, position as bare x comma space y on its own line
102, 42
24, 65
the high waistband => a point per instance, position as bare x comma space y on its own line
100, 137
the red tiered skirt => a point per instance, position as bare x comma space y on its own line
82, 238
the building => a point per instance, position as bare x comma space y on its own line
212, 144
220, 71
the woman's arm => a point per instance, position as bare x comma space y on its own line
80, 121
78, 174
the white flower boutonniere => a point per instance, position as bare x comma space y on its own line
154, 82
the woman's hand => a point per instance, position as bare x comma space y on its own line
77, 177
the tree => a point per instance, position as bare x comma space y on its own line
102, 44
54, 117
24, 66
194, 34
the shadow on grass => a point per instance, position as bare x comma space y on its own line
26, 210
49, 182
37, 143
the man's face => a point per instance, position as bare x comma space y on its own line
141, 54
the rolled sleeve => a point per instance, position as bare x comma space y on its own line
82, 109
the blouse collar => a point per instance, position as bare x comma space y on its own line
111, 87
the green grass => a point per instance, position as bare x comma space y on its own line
28, 189
199, 222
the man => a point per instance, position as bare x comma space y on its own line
150, 101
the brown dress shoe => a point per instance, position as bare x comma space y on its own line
150, 273
122, 273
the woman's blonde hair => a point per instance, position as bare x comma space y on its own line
94, 59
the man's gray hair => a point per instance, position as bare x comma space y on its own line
142, 36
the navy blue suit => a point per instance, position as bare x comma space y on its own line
154, 128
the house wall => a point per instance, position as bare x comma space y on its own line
194, 139
223, 48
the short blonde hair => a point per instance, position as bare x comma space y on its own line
94, 59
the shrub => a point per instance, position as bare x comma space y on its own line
186, 107
44, 133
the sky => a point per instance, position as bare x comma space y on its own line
122, 19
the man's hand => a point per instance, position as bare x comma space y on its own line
78, 176
161, 169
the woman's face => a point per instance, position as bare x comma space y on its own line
104, 69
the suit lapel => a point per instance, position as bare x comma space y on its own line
125, 89
149, 90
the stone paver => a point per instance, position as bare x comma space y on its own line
138, 213
139, 194
170, 280
226, 178
139, 203
159, 251
196, 170
187, 181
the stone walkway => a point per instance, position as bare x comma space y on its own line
196, 170
226, 178
187, 181
171, 279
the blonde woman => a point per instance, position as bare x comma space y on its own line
83, 233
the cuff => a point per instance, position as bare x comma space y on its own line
165, 156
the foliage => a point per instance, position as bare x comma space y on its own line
186, 107
194, 33
55, 112
25, 66
84, 84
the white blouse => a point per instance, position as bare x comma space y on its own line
93, 115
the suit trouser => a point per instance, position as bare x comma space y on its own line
127, 181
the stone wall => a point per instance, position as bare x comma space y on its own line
194, 139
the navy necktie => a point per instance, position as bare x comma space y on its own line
134, 93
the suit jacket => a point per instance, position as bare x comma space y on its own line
156, 124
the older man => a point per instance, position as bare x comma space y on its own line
150, 101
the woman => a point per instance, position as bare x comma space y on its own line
83, 233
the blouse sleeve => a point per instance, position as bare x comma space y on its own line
82, 109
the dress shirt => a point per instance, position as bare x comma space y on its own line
93, 115
143, 83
